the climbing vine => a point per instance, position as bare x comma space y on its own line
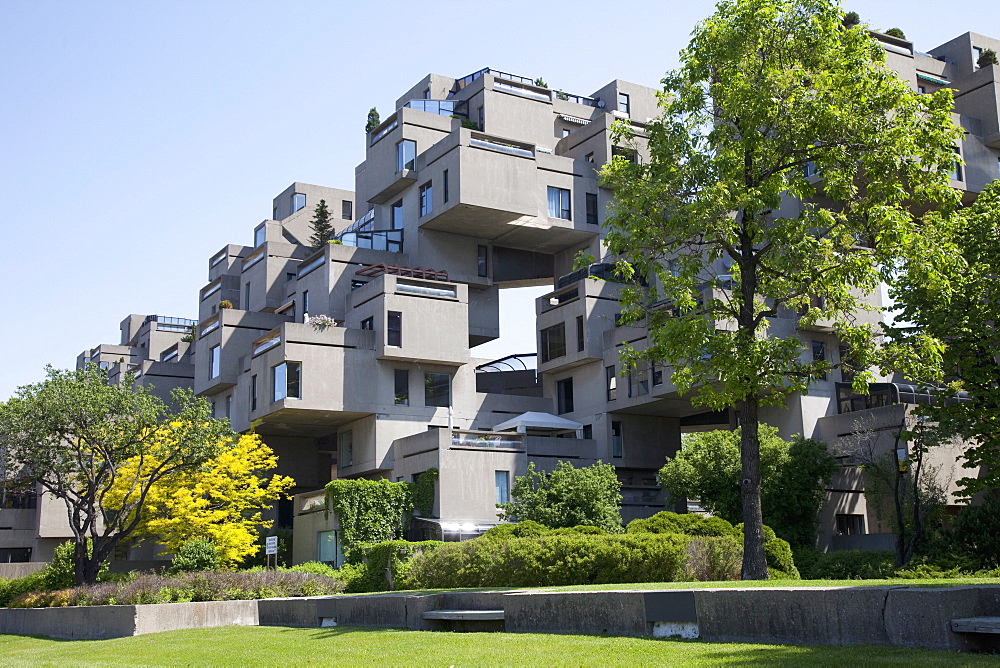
423, 492
369, 511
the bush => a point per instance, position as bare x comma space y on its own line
195, 554
854, 565
384, 561
550, 560
11, 589
976, 532
691, 524
712, 558
525, 529
316, 568
780, 563
61, 571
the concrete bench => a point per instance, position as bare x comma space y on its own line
466, 620
976, 625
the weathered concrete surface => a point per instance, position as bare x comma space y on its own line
288, 611
922, 617
830, 616
376, 610
613, 612
19, 570
200, 615
77, 623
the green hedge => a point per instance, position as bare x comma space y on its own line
366, 570
853, 565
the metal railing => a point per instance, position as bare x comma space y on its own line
387, 240
361, 224
487, 439
168, 320
440, 107
469, 78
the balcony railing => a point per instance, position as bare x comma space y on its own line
387, 240
487, 439
466, 80
384, 131
360, 225
441, 107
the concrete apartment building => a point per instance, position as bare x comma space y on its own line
359, 359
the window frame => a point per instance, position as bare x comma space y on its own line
432, 380
394, 329
426, 199
401, 381
403, 159
564, 396
214, 361
548, 346
560, 203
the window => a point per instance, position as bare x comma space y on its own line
482, 261
346, 449
253, 392
559, 203
850, 525
368, 324
565, 132
290, 276
437, 389
564, 395
956, 173
588, 431
611, 380
396, 216
246, 297
445, 184
481, 115
921, 89
394, 329
401, 387
305, 302
347, 209
229, 406
592, 208
657, 373
211, 405
553, 343
426, 198
629, 154
259, 236
427, 93
214, 354
581, 341
328, 550
406, 154
819, 354
623, 104
617, 440
286, 381
274, 212
502, 485
589, 157
298, 202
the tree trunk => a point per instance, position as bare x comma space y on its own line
754, 560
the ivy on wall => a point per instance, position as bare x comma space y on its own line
423, 493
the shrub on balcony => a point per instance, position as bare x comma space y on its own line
225, 303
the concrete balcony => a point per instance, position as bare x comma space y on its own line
233, 330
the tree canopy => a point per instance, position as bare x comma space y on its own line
373, 120
567, 497
777, 193
74, 433
322, 228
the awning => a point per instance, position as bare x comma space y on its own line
933, 79
536, 420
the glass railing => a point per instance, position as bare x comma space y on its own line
363, 223
503, 147
167, 320
386, 130
440, 107
466, 80
477, 439
387, 240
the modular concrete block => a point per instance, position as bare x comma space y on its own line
611, 612
288, 612
154, 618
377, 610
922, 617
74, 623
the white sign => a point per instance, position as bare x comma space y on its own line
271, 545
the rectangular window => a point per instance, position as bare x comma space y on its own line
611, 380
445, 184
246, 297
819, 354
214, 354
394, 329
956, 173
589, 157
564, 395
482, 261
617, 439
298, 202
347, 209
396, 216
328, 548
502, 485
286, 381
565, 132
588, 431
623, 104
426, 198
401, 387
850, 525
657, 373
553, 342
437, 389
368, 324
406, 154
259, 236
581, 341
229, 406
481, 115
253, 392
427, 93
559, 203
592, 209
305, 302
346, 449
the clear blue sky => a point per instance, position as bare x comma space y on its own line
137, 138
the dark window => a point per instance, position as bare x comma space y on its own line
246, 297
559, 203
482, 118
347, 209
553, 342
427, 93
482, 261
592, 209
611, 380
445, 184
305, 302
819, 354
564, 394
396, 216
581, 341
229, 406
15, 555
850, 525
629, 154
298, 202
401, 387
368, 324
565, 132
502, 484
589, 157
253, 392
426, 198
394, 329
617, 439
657, 373
346, 449
956, 173
406, 153
437, 389
623, 104
588, 431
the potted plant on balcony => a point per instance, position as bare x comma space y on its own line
225, 303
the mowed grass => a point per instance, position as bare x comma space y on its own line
343, 646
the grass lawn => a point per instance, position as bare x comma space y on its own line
272, 646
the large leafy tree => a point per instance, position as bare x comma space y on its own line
74, 433
222, 500
792, 477
322, 228
567, 497
724, 212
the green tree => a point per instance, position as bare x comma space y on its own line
986, 58
322, 228
373, 120
72, 434
567, 497
851, 19
895, 32
793, 475
769, 93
